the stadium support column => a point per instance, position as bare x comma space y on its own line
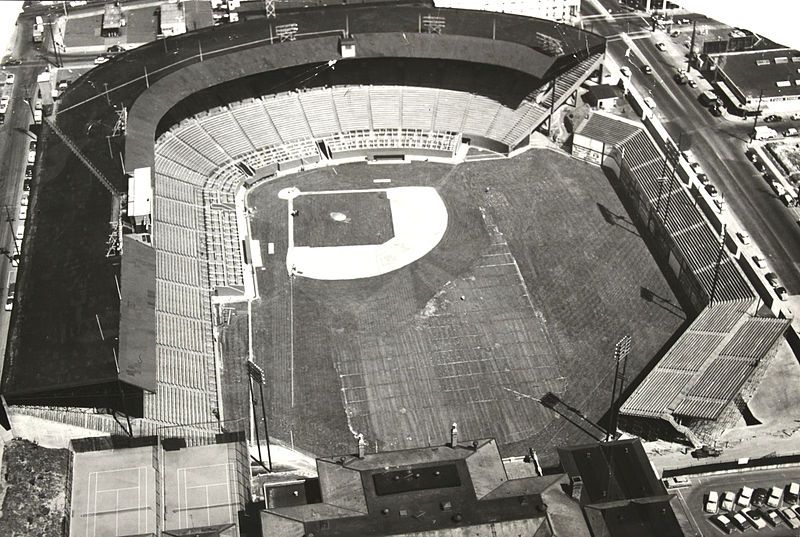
717, 266
758, 113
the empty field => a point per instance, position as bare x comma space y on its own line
527, 293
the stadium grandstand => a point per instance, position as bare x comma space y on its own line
698, 388
126, 280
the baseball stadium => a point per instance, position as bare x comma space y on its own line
339, 223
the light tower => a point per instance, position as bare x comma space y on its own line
271, 9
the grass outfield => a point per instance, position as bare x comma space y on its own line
549, 283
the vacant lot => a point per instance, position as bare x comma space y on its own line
539, 274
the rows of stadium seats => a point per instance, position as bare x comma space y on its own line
223, 253
393, 138
533, 114
226, 132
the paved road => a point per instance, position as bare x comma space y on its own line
14, 140
719, 145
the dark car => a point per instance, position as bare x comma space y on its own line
28, 172
772, 118
647, 69
715, 111
759, 166
723, 523
12, 61
760, 496
26, 186
712, 190
706, 451
115, 49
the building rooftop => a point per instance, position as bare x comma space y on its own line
621, 494
442, 488
775, 72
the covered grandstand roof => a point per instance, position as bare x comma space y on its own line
711, 361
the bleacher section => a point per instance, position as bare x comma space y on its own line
699, 377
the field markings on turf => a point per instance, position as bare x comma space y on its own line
381, 180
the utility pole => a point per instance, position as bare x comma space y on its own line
10, 219
758, 113
691, 48
717, 266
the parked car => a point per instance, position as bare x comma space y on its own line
775, 494
772, 279
31, 156
712, 502
115, 49
791, 132
4, 100
23, 212
772, 518
625, 71
661, 46
728, 500
650, 102
723, 523
740, 521
703, 178
712, 190
674, 33
745, 495
759, 166
794, 117
101, 59
760, 496
64, 84
28, 171
10, 78
772, 118
783, 294
677, 482
716, 111
753, 516
759, 261
24, 199
790, 516
646, 69
744, 238
692, 82
12, 61
792, 493
706, 451
10, 296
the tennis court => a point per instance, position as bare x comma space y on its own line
200, 487
113, 495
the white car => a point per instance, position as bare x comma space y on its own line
650, 102
24, 199
23, 212
4, 100
760, 262
794, 117
790, 517
31, 156
774, 499
728, 499
100, 59
9, 78
712, 503
746, 494
20, 232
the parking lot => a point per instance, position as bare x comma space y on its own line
694, 497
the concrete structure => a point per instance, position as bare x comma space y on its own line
567, 11
444, 491
602, 96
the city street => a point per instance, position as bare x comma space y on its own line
719, 144
14, 139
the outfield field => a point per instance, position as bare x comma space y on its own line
537, 276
